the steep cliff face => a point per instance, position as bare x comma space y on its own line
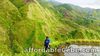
26, 23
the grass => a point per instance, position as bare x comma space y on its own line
31, 23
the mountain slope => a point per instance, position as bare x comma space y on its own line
26, 23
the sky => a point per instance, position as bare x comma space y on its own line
83, 3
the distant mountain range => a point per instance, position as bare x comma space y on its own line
26, 23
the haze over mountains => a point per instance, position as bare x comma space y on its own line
26, 23
82, 3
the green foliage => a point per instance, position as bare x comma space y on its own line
18, 3
29, 41
31, 22
65, 6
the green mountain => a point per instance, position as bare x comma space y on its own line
26, 23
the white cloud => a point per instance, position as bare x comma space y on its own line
83, 3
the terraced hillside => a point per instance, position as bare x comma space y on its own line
26, 23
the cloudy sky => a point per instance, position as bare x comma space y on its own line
83, 3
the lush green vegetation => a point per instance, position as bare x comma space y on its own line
26, 23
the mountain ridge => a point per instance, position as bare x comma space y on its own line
26, 25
